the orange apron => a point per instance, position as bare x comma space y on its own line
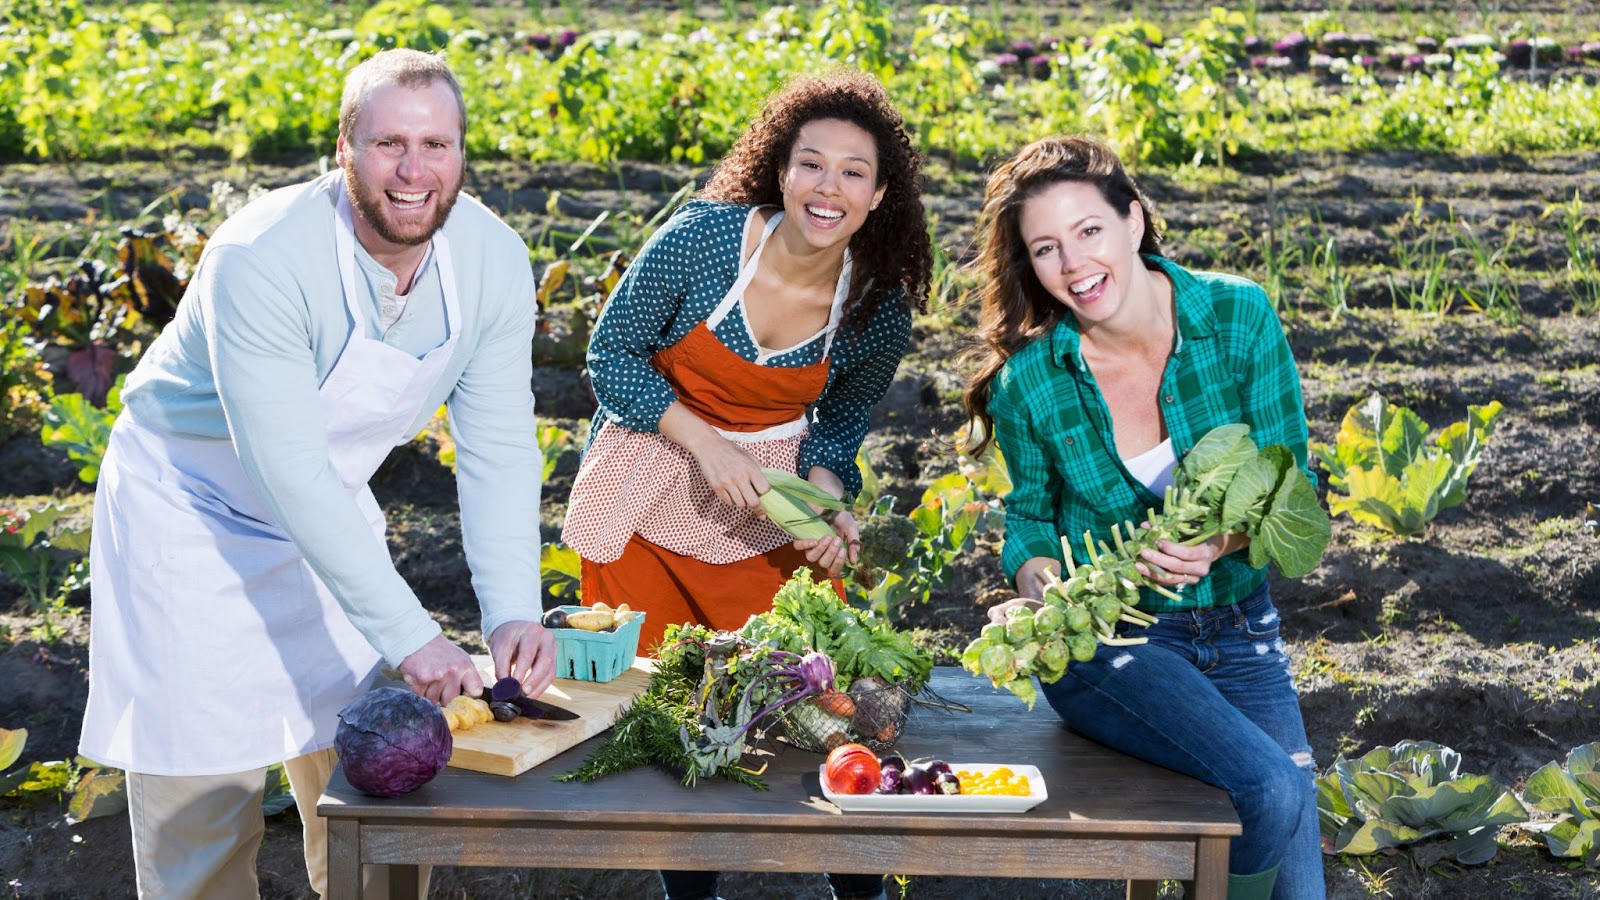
642, 517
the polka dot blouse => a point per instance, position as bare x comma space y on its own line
681, 274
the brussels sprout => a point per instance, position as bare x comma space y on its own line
997, 661
1019, 625
1106, 609
1079, 620
1055, 654
1082, 647
1048, 620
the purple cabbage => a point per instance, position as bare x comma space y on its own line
391, 742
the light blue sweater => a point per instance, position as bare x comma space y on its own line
260, 328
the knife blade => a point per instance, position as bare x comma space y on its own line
540, 709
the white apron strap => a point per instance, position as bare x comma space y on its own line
747, 272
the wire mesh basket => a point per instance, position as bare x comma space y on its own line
873, 713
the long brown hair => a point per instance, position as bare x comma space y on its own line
1014, 308
892, 249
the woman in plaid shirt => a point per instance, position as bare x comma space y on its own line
1103, 363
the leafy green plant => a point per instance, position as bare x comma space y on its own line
1573, 791
81, 429
1422, 257
555, 442
1493, 289
24, 381
1414, 791
561, 570
904, 558
1132, 93
1384, 472
1333, 281
1578, 230
43, 555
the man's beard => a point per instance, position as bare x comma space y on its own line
373, 210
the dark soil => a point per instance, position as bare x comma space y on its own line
1482, 634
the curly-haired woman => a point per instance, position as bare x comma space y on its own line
756, 328
1102, 363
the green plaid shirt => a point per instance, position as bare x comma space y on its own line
1231, 363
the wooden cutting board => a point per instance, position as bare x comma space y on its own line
511, 748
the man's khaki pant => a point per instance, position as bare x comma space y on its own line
196, 836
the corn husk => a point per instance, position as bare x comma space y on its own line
788, 504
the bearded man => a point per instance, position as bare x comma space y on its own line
242, 590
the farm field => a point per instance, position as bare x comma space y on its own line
1439, 277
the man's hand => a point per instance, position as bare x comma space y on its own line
525, 651
441, 671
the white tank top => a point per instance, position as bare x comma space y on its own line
1154, 467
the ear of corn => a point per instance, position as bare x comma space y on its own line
786, 505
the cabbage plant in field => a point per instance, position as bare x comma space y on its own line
1390, 475
1411, 792
1573, 791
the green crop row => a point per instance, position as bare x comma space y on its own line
98, 82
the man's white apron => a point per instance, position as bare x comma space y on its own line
214, 647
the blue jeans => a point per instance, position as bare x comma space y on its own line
703, 885
1210, 696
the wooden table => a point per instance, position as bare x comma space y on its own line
1108, 816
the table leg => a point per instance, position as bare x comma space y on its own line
1211, 869
404, 882
1143, 890
344, 859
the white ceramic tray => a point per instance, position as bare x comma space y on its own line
946, 803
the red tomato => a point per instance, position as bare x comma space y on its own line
852, 769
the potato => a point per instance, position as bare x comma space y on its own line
592, 619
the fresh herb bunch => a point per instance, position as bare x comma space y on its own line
1225, 485
705, 706
808, 615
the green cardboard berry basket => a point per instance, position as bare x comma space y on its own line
596, 655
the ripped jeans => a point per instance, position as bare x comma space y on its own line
1210, 696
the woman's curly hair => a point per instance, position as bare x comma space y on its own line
892, 249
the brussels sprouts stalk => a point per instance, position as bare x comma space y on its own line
1225, 485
